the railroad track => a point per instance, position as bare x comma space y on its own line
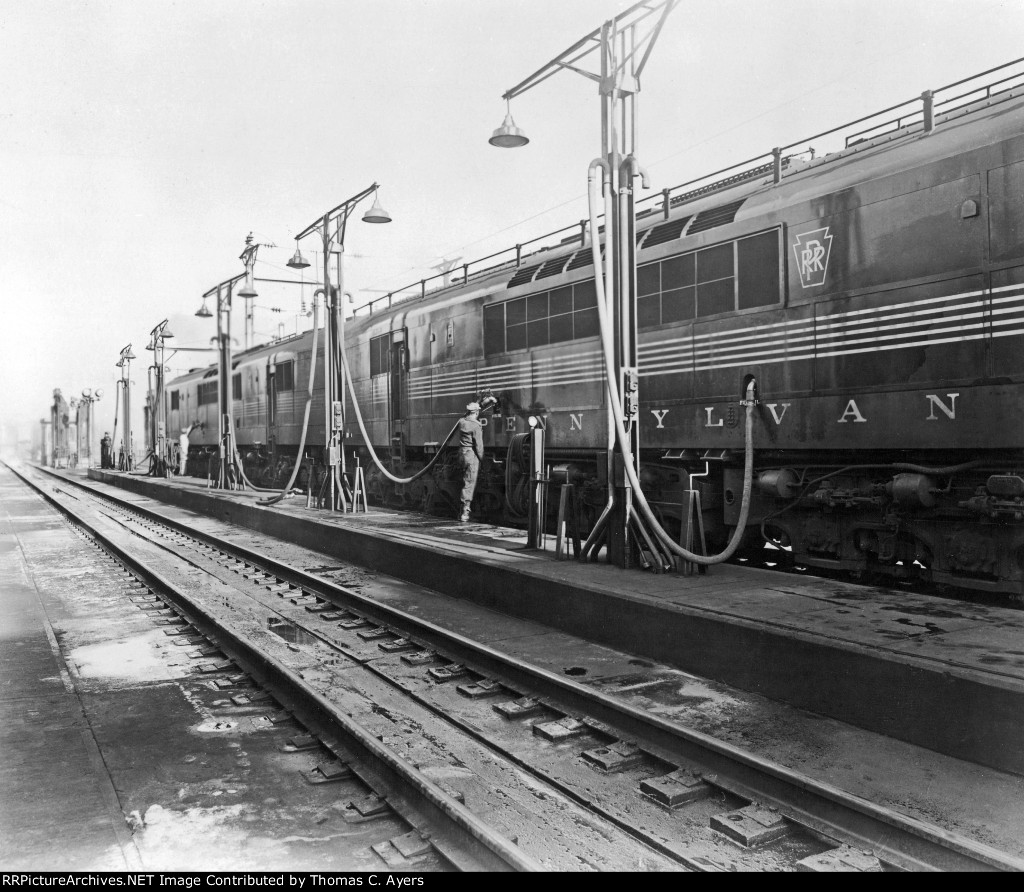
493, 756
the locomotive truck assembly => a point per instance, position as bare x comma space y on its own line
875, 294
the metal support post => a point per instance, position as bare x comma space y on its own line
623, 53
538, 489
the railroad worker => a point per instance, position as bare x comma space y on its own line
183, 446
471, 452
105, 459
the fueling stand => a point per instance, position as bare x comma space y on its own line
538, 485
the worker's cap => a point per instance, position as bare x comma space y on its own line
473, 407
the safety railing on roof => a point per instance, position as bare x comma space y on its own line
912, 116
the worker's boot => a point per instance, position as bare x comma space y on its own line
465, 512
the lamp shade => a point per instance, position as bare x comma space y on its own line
247, 290
166, 333
203, 312
298, 261
376, 214
508, 136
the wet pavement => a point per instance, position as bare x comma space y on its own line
118, 756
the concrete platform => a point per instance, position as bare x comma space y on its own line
58, 808
940, 673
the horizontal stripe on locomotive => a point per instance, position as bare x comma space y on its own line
798, 330
541, 381
926, 322
931, 318
555, 371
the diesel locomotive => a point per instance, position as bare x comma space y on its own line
875, 293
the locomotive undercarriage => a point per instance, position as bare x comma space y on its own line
963, 530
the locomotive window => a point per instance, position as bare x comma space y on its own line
236, 386
757, 264
560, 320
648, 310
537, 307
284, 377
548, 317
515, 311
537, 333
721, 279
678, 305
380, 354
586, 324
207, 393
174, 400
716, 297
561, 301
648, 279
714, 264
584, 295
494, 329
560, 328
515, 337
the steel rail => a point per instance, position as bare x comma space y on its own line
895, 838
471, 844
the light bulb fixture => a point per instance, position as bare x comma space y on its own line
508, 136
376, 214
203, 312
297, 261
247, 290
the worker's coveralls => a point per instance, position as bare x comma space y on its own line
471, 452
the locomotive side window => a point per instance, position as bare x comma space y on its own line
716, 280
537, 320
721, 279
285, 376
679, 294
585, 322
494, 329
380, 354
207, 393
550, 317
757, 265
236, 386
174, 400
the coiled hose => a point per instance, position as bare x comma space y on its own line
366, 436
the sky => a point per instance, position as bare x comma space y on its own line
142, 141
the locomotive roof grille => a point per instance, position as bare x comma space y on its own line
666, 232
583, 257
552, 267
525, 274
713, 217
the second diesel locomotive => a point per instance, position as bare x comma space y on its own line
876, 294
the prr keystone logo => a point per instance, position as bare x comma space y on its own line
812, 250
